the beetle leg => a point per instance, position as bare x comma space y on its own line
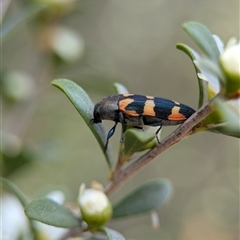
158, 140
121, 119
110, 133
123, 131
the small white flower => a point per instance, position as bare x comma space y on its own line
15, 223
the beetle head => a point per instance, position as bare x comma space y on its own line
106, 109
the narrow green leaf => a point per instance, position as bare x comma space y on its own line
112, 234
84, 106
202, 84
19, 19
203, 38
147, 197
136, 140
15, 190
193, 55
49, 212
120, 88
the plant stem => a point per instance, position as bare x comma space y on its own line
174, 137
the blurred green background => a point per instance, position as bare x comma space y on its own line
131, 42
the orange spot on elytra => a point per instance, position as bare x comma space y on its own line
176, 115
123, 104
148, 109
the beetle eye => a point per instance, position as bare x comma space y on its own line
97, 117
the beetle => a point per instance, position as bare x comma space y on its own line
138, 110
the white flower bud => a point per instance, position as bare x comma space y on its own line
95, 207
230, 61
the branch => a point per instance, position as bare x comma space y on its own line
173, 138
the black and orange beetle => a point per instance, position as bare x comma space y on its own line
138, 110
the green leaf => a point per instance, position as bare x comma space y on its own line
112, 234
230, 116
84, 106
209, 66
223, 120
226, 130
15, 190
147, 197
136, 140
19, 19
120, 88
49, 212
202, 84
203, 38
